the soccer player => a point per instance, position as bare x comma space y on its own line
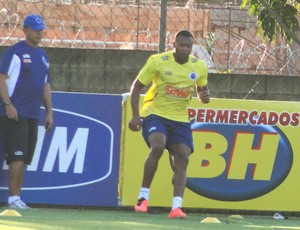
24, 85
163, 116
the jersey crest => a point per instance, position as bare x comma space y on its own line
193, 76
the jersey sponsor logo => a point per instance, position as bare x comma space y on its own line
240, 156
177, 92
194, 60
165, 58
26, 60
77, 152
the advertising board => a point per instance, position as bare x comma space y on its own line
247, 156
77, 162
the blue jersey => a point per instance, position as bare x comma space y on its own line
28, 71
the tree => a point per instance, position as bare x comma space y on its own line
275, 16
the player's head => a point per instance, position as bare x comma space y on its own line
34, 26
184, 33
183, 45
34, 22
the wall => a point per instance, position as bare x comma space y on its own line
228, 32
112, 71
100, 71
111, 23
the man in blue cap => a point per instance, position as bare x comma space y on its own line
24, 86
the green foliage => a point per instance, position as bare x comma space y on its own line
210, 41
268, 24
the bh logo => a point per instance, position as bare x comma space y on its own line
239, 162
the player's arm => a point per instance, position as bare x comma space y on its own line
11, 111
202, 88
135, 122
3, 89
47, 101
203, 94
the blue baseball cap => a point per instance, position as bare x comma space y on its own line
35, 22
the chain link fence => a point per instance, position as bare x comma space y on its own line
226, 36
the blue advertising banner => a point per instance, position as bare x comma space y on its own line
77, 162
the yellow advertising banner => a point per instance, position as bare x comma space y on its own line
246, 157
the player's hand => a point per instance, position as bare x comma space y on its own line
135, 124
11, 112
49, 122
204, 95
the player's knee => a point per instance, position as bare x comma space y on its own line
181, 160
183, 154
184, 159
157, 149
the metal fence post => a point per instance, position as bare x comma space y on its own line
163, 25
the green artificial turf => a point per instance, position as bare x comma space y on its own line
59, 219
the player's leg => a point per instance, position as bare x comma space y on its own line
15, 142
15, 177
180, 146
155, 137
181, 154
157, 145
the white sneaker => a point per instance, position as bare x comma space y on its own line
278, 216
18, 204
